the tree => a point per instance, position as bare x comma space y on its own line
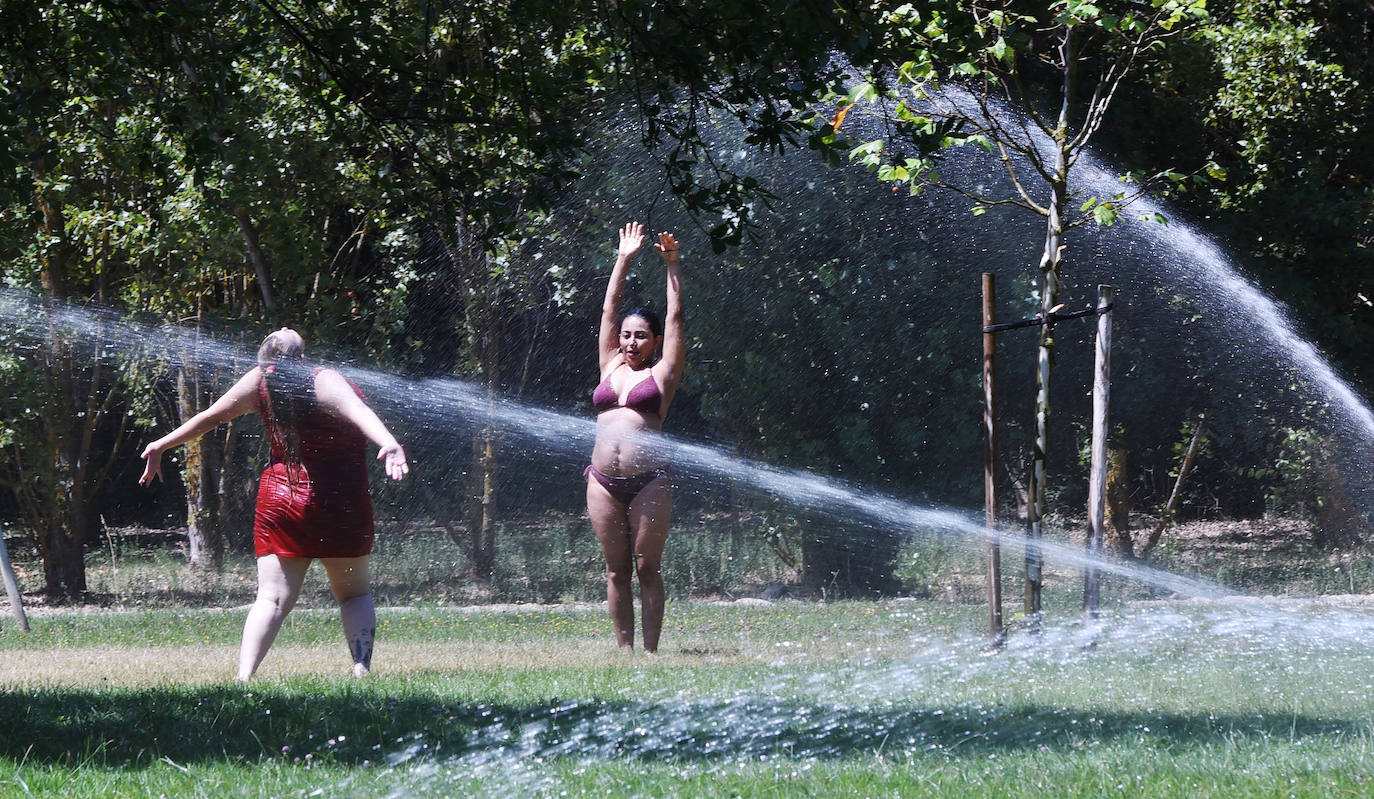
1032, 86
1290, 119
149, 144
77, 223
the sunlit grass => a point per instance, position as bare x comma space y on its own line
896, 698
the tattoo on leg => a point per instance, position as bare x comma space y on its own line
362, 647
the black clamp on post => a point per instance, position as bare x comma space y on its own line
1041, 319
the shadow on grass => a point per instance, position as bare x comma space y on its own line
361, 726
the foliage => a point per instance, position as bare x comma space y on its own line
1289, 118
922, 565
1277, 74
1030, 85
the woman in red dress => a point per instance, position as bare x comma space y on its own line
313, 499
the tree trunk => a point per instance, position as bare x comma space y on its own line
234, 490
1049, 300
256, 257
484, 334
206, 545
1049, 287
993, 582
1170, 506
1119, 503
481, 516
61, 503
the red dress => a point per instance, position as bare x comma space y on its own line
321, 509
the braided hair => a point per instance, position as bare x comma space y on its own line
290, 383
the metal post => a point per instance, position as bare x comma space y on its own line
1097, 480
12, 586
994, 573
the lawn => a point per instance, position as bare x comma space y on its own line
1239, 698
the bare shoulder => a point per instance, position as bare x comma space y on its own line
248, 384
329, 375
611, 365
330, 381
241, 398
666, 376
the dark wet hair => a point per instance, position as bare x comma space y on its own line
655, 323
290, 382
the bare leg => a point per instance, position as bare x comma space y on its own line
350, 581
650, 514
608, 519
279, 586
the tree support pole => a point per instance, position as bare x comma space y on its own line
994, 572
12, 586
1097, 472
1045, 320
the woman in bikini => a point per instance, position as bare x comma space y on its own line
629, 496
313, 499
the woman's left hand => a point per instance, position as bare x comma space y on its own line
395, 457
152, 466
667, 247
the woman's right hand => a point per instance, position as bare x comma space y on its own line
631, 239
394, 460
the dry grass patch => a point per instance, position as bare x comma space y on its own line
124, 667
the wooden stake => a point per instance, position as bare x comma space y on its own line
994, 574
1097, 480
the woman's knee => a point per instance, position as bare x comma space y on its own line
619, 577
279, 598
648, 569
349, 578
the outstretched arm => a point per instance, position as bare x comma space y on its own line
669, 367
608, 341
241, 398
335, 395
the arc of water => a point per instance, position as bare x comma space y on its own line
448, 399
826, 495
1195, 249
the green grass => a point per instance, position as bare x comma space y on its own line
552, 558
903, 698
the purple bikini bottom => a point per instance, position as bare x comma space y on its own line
625, 489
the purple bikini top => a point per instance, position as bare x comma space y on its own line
644, 397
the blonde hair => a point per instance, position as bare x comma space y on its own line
290, 383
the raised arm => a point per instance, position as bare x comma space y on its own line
608, 340
335, 395
240, 399
669, 368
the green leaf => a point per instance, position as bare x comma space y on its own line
862, 92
